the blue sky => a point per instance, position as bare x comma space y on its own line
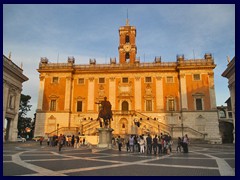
91, 31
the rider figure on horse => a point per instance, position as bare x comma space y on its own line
105, 112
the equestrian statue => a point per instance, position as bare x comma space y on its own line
105, 113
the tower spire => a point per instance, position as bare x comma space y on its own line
127, 22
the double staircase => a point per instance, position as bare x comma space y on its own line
146, 125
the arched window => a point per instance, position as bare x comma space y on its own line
127, 39
123, 126
222, 114
127, 56
124, 106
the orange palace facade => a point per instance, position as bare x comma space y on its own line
160, 97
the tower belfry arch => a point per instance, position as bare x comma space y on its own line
127, 44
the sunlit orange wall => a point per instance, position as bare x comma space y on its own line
54, 89
171, 90
80, 90
201, 86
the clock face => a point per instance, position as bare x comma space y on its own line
127, 47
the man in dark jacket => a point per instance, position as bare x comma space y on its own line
149, 144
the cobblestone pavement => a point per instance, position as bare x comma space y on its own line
31, 159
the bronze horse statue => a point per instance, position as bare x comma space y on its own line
105, 113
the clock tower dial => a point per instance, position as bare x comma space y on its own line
127, 44
127, 47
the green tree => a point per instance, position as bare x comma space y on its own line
23, 120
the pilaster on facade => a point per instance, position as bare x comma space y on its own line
40, 125
183, 90
159, 94
41, 92
68, 93
212, 91
91, 90
112, 92
137, 93
5, 100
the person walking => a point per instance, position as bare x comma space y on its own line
159, 143
60, 142
185, 143
155, 143
77, 142
149, 144
127, 144
41, 140
142, 144
48, 140
72, 140
119, 141
131, 143
179, 144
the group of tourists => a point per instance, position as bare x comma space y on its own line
67, 141
158, 144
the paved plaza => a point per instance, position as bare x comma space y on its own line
31, 159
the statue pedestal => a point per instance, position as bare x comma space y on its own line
105, 138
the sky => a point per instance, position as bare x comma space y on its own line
32, 31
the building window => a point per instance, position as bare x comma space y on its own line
148, 79
127, 39
199, 104
55, 80
53, 105
127, 56
81, 81
222, 114
11, 102
124, 106
148, 105
79, 106
169, 79
230, 114
125, 80
101, 80
196, 77
171, 105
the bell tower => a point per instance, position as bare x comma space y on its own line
127, 44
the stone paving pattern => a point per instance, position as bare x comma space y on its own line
31, 159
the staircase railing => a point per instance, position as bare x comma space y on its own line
155, 121
57, 131
90, 125
191, 130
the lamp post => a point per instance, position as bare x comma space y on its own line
80, 126
181, 123
172, 123
57, 129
